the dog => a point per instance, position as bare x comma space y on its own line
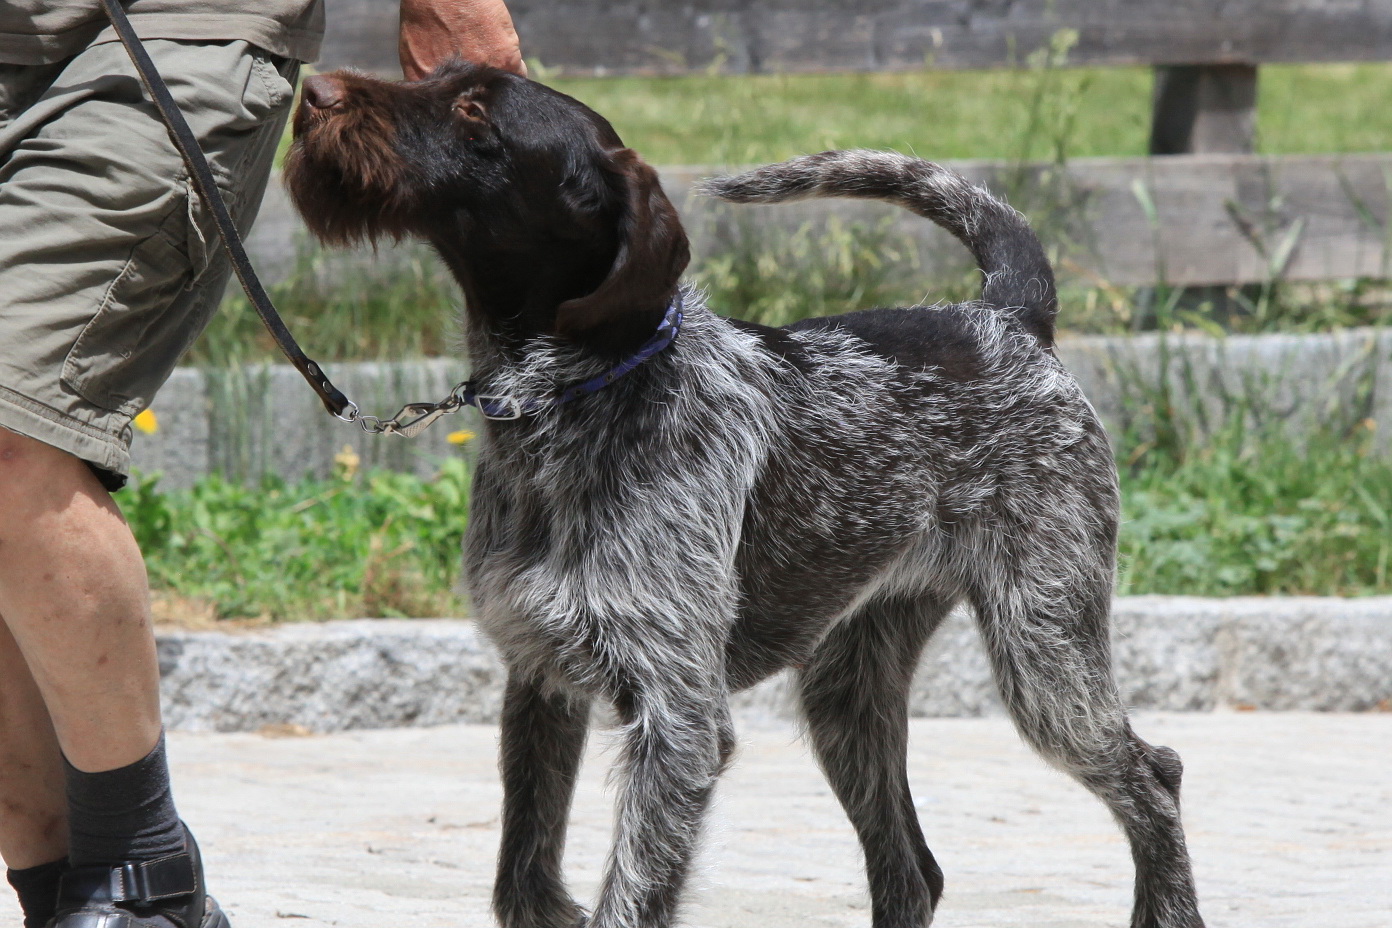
670, 506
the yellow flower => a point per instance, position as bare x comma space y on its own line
346, 463
459, 437
147, 422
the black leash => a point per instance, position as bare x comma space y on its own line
413, 418
202, 176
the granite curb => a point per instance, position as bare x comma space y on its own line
1172, 653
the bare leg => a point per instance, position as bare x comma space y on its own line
855, 697
74, 596
543, 735
33, 806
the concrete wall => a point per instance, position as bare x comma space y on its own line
1173, 653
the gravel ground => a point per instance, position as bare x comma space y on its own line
1289, 817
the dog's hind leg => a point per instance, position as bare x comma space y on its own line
854, 695
1050, 652
542, 737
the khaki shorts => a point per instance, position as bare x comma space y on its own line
110, 265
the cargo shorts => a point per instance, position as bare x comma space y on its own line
110, 264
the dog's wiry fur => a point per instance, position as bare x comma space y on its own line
750, 499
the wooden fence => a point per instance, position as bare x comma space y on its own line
1204, 210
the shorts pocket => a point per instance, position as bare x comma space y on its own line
149, 316
275, 90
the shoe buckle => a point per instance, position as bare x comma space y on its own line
150, 881
128, 884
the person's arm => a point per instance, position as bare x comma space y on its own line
475, 30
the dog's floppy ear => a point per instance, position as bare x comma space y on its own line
652, 253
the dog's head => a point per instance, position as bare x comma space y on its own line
550, 224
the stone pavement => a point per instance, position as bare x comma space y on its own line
1289, 817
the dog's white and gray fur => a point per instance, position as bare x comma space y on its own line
815, 497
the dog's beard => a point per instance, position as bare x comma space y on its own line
345, 180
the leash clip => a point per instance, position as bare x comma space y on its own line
499, 408
410, 420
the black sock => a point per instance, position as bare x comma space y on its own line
122, 815
38, 891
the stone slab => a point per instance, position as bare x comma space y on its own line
1172, 653
1289, 820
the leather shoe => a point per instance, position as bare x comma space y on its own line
164, 893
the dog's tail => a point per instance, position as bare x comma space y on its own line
1019, 279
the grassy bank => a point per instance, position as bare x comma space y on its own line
379, 544
1042, 111
1236, 514
1235, 517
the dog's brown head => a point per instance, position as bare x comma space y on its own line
549, 223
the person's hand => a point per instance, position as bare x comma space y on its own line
475, 30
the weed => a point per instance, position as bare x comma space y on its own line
1260, 515
1247, 512
344, 307
775, 277
384, 544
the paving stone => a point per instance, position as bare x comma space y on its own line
1289, 818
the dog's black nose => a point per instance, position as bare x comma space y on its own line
323, 92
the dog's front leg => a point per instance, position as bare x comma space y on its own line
543, 736
676, 740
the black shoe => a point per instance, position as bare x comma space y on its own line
164, 893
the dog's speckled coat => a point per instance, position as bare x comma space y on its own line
816, 496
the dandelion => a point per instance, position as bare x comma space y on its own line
460, 437
147, 422
346, 463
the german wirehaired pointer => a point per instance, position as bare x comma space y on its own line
670, 506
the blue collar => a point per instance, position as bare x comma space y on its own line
494, 406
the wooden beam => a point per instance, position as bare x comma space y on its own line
741, 36
1186, 220
1204, 109
1190, 220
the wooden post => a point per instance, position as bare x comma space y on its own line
1204, 109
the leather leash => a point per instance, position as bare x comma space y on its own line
202, 175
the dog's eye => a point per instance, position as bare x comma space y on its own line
470, 109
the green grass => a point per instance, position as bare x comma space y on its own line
1030, 113
1039, 112
343, 310
384, 544
1243, 517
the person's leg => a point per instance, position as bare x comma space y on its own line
73, 596
34, 823
77, 665
116, 274
33, 803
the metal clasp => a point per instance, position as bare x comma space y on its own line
501, 408
417, 418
